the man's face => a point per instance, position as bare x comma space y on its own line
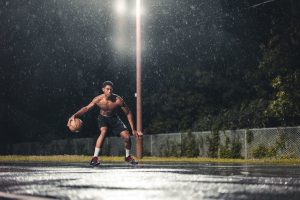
107, 90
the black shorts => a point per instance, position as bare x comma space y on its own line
113, 123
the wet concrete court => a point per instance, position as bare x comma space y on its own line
149, 181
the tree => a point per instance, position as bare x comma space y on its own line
281, 65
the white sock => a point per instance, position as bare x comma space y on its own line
96, 153
127, 152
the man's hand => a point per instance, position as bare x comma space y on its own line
71, 119
137, 133
134, 133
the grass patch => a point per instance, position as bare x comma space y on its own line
221, 160
80, 158
56, 158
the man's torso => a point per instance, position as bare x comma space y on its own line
108, 105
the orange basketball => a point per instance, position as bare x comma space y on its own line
75, 125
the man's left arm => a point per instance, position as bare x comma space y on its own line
129, 115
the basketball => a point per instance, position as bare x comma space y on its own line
75, 125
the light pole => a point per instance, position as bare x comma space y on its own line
139, 141
121, 46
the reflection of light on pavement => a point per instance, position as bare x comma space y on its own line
118, 181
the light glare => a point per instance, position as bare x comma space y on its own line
121, 6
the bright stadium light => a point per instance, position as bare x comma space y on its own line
121, 6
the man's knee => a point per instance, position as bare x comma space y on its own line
103, 133
125, 135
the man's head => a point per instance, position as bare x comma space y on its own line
107, 88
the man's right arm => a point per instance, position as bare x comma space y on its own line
84, 109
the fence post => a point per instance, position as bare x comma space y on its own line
180, 143
246, 145
219, 143
108, 148
151, 151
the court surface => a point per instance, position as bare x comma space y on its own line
148, 181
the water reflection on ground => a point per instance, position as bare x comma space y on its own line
151, 181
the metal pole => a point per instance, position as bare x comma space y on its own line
246, 146
139, 143
138, 67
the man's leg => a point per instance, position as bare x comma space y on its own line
101, 137
127, 143
99, 142
126, 138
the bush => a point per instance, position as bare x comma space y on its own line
189, 147
249, 136
260, 152
213, 144
236, 148
267, 152
170, 148
231, 150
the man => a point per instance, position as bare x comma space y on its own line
109, 121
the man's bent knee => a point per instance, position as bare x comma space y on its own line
125, 135
103, 131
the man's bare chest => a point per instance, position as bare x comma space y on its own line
107, 105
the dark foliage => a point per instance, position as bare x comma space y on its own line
206, 64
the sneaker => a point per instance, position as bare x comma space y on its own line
95, 161
130, 160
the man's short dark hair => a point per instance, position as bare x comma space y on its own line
105, 83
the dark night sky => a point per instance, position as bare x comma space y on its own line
56, 53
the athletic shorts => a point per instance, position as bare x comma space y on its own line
113, 123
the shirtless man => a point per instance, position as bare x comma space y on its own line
108, 120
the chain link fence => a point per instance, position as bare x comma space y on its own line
273, 142
282, 142
246, 143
